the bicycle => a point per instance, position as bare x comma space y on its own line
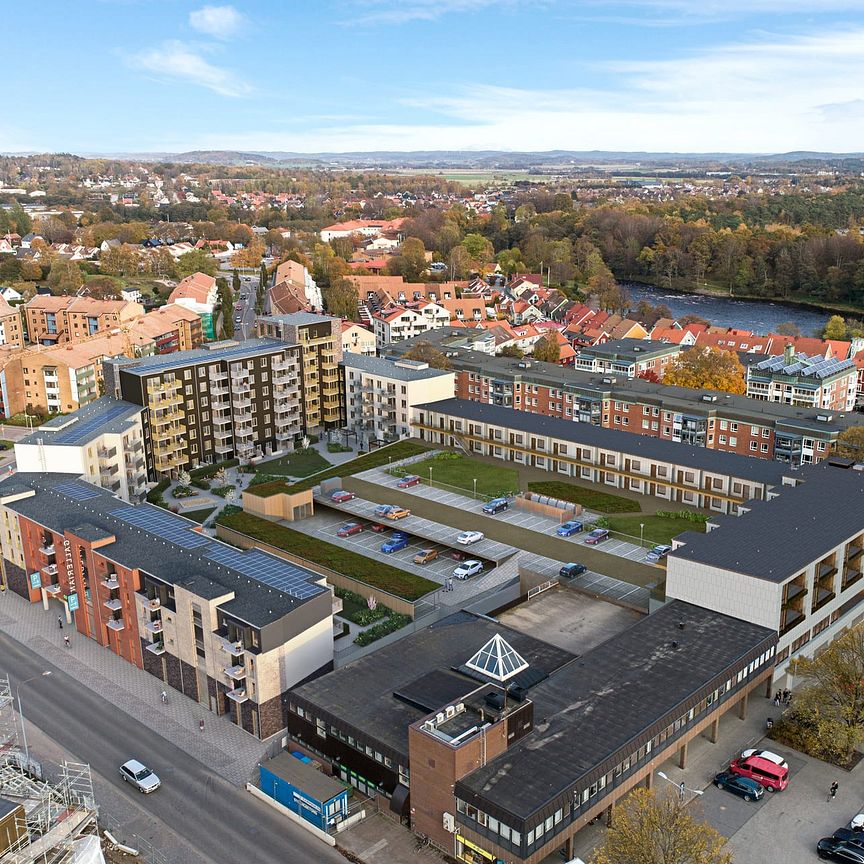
422, 840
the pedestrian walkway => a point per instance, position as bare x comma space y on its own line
228, 750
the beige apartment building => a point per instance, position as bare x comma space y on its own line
11, 334
58, 320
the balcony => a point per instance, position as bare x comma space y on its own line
241, 402
854, 552
116, 624
53, 589
219, 390
152, 604
236, 673
153, 626
825, 571
114, 604
238, 694
225, 447
233, 647
793, 592
821, 596
850, 577
47, 549
111, 581
284, 435
50, 569
789, 619
156, 648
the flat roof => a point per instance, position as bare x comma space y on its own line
105, 415
717, 461
304, 776
164, 545
777, 539
389, 369
630, 349
300, 318
216, 352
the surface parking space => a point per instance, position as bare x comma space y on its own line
614, 547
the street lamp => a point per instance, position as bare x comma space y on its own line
475, 488
21, 712
641, 533
430, 476
682, 788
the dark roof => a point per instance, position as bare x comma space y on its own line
592, 709
387, 368
299, 318
216, 352
777, 539
630, 350
362, 693
305, 777
717, 461
188, 560
7, 807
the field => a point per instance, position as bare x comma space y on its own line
459, 471
590, 499
300, 463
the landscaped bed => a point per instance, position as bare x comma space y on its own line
590, 499
658, 528
454, 469
373, 573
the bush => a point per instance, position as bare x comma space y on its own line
183, 492
390, 625
230, 510
335, 447
806, 729
212, 470
154, 496
689, 515
221, 491
200, 483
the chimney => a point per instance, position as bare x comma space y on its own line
788, 354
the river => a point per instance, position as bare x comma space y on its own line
760, 316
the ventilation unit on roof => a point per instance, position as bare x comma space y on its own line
709, 397
824, 418
450, 711
610, 380
439, 717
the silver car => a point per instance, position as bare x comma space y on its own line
140, 776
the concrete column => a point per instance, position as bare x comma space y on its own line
609, 816
768, 683
649, 780
713, 730
569, 849
742, 707
682, 757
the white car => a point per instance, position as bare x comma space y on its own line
768, 756
857, 823
140, 776
467, 569
466, 538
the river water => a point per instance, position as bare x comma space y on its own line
756, 315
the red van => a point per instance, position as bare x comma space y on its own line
772, 776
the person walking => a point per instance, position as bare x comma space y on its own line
777, 699
786, 697
832, 792
60, 622
67, 642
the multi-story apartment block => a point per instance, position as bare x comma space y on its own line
793, 563
319, 338
380, 395
226, 400
397, 323
103, 442
358, 340
703, 418
630, 358
172, 328
199, 293
58, 320
11, 334
232, 630
674, 472
811, 382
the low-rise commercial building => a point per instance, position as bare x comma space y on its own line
674, 472
232, 630
53, 320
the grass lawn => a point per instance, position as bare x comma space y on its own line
590, 499
460, 471
394, 452
198, 515
300, 463
658, 529
374, 573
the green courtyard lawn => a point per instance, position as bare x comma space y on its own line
374, 573
300, 463
658, 529
590, 499
454, 469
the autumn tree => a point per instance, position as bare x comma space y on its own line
426, 352
657, 829
479, 249
65, 277
835, 328
196, 261
250, 256
410, 262
512, 351
547, 349
789, 328
340, 298
459, 262
850, 443
707, 368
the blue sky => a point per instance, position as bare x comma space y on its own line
337, 75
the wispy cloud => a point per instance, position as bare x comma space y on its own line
388, 12
184, 62
221, 22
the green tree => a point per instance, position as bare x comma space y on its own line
850, 443
512, 351
835, 328
789, 328
65, 277
235, 283
426, 352
410, 263
658, 829
227, 303
547, 349
196, 261
709, 369
340, 298
478, 248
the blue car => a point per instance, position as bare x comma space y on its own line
394, 544
744, 787
383, 509
568, 529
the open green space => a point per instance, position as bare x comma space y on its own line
198, 515
590, 499
300, 463
454, 469
658, 529
381, 456
374, 573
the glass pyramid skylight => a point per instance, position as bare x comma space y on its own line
497, 660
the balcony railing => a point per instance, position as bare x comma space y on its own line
236, 673
233, 647
238, 694
156, 648
116, 624
111, 581
153, 626
50, 569
47, 549
114, 604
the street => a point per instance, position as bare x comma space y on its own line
243, 313
196, 816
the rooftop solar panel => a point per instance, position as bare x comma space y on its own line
162, 524
266, 568
77, 492
82, 430
250, 348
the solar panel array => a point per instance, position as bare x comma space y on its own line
162, 524
83, 429
250, 348
77, 492
266, 568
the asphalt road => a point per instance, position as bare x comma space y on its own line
216, 821
245, 308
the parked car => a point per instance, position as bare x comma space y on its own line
458, 555
568, 529
349, 529
857, 822
468, 569
140, 776
238, 319
394, 544
744, 787
466, 538
774, 776
830, 849
598, 535
340, 496
849, 835
766, 754
658, 553
424, 556
408, 480
496, 505
383, 509
378, 529
569, 571
397, 513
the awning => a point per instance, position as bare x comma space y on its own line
399, 799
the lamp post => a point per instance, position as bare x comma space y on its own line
681, 787
21, 712
641, 533
475, 488
430, 476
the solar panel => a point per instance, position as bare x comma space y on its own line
266, 568
82, 429
77, 492
163, 524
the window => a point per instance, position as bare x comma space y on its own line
754, 445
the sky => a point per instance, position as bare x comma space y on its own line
123, 76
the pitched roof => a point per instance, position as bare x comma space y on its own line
195, 287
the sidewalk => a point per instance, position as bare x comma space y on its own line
228, 750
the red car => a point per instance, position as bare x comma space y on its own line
378, 528
408, 480
340, 496
349, 528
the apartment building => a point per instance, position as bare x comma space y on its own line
702, 418
294, 290
199, 293
232, 630
58, 320
103, 443
674, 472
380, 395
172, 328
793, 563
226, 400
627, 357
357, 340
467, 730
65, 377
319, 339
811, 382
397, 323
11, 334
